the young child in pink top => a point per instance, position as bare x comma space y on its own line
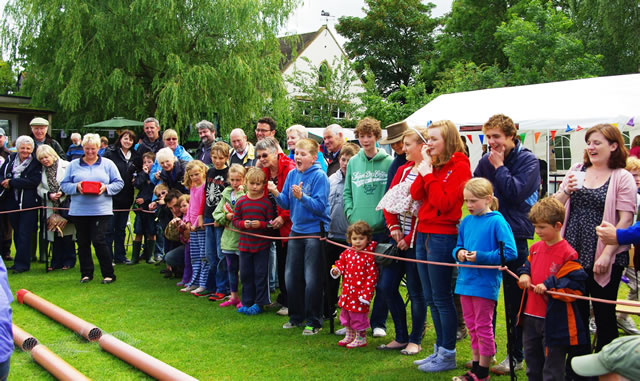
194, 179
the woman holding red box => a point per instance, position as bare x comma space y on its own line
92, 181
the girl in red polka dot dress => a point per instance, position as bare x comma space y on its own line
359, 278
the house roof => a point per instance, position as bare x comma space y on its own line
295, 44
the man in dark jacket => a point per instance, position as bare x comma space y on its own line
151, 142
333, 139
514, 172
207, 133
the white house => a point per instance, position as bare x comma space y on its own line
319, 48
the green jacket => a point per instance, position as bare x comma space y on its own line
229, 241
365, 184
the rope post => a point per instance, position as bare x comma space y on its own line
323, 252
510, 329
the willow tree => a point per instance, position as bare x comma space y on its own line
178, 60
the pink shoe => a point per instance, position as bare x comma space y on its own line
230, 302
239, 304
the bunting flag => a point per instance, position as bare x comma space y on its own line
579, 128
470, 137
630, 122
537, 136
568, 129
428, 123
615, 124
522, 136
553, 134
481, 138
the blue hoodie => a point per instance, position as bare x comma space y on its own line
482, 234
313, 207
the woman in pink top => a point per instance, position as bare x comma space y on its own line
608, 193
194, 179
635, 147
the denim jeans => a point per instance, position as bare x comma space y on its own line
273, 267
160, 249
4, 369
218, 279
24, 224
175, 256
379, 308
115, 236
389, 285
304, 279
436, 284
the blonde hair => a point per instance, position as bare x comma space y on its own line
159, 188
170, 133
547, 211
413, 132
91, 139
452, 141
238, 169
183, 198
633, 163
194, 165
255, 175
165, 154
45, 150
309, 145
349, 149
480, 187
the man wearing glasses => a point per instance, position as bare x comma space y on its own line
266, 127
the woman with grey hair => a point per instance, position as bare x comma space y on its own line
298, 132
276, 166
91, 181
59, 230
19, 178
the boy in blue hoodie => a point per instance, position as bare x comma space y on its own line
306, 194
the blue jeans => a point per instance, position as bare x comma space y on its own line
389, 285
304, 278
254, 275
379, 308
159, 241
23, 224
4, 369
436, 284
218, 278
115, 236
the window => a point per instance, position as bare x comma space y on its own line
562, 150
324, 74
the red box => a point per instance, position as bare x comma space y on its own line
91, 187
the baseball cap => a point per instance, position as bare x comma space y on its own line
39, 122
2, 133
621, 356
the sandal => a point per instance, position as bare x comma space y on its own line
469, 376
386, 347
411, 351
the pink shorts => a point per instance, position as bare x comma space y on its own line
355, 320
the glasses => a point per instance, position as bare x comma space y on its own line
263, 156
171, 139
259, 130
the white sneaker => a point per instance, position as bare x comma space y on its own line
198, 290
283, 311
592, 326
628, 326
503, 367
379, 332
188, 289
341, 332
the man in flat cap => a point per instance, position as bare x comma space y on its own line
39, 128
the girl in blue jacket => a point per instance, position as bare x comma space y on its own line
479, 240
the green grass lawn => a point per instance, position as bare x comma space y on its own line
199, 338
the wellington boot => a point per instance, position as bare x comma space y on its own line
149, 248
135, 256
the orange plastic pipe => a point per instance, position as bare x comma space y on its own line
81, 327
148, 364
58, 368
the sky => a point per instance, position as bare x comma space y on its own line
307, 17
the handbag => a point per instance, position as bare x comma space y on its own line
398, 200
387, 249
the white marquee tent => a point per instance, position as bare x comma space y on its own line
547, 106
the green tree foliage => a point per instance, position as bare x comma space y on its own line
7, 78
392, 39
178, 60
321, 91
610, 28
467, 76
538, 43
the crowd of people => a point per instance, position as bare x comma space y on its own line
193, 215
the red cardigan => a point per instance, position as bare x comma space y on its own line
392, 219
284, 166
441, 195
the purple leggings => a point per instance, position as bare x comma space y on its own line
232, 269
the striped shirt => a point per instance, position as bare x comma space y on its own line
248, 209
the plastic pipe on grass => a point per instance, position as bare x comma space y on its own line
69, 320
135, 357
58, 368
125, 352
